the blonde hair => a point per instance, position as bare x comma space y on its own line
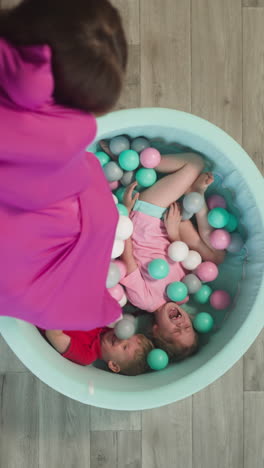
174, 351
139, 364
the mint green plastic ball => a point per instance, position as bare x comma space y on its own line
103, 157
119, 193
203, 322
202, 296
232, 223
218, 217
146, 177
177, 291
122, 209
157, 359
158, 268
128, 160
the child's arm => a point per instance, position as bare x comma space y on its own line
58, 339
128, 257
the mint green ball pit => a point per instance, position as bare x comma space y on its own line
96, 387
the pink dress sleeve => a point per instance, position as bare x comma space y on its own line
138, 292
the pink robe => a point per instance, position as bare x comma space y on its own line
57, 215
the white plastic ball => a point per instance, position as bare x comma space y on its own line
125, 329
178, 251
115, 199
113, 275
193, 202
118, 144
186, 215
118, 248
123, 301
124, 228
112, 171
192, 260
127, 178
192, 282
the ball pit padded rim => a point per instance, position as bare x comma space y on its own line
218, 364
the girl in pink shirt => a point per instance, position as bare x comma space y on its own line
151, 238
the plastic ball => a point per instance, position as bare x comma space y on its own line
215, 201
218, 217
128, 160
115, 199
122, 209
236, 243
120, 194
130, 317
220, 239
117, 292
127, 178
118, 144
192, 282
150, 157
158, 268
207, 271
122, 268
113, 185
118, 248
124, 329
178, 251
202, 296
139, 144
203, 322
113, 275
232, 223
220, 299
124, 228
193, 202
123, 301
112, 171
186, 215
146, 177
177, 291
157, 359
192, 260
102, 157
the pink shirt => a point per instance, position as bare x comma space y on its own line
150, 241
57, 214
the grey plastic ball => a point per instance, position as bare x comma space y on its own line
192, 282
113, 275
127, 178
186, 215
139, 144
193, 202
236, 243
118, 144
124, 329
112, 171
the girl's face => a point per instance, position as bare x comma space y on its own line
174, 325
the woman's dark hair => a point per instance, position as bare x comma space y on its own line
88, 45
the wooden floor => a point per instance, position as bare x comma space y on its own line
204, 57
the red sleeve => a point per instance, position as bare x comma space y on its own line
85, 347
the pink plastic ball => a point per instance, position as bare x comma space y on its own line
117, 292
114, 185
215, 201
122, 268
207, 271
150, 157
220, 299
220, 239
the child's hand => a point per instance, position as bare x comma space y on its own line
128, 199
172, 219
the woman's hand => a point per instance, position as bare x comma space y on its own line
128, 199
172, 219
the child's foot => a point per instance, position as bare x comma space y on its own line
202, 182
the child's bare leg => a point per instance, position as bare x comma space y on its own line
192, 238
184, 170
200, 186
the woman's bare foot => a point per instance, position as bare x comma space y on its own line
202, 182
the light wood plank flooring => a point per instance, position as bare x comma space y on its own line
204, 57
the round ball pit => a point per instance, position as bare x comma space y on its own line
238, 331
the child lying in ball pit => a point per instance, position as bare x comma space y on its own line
128, 357
172, 330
